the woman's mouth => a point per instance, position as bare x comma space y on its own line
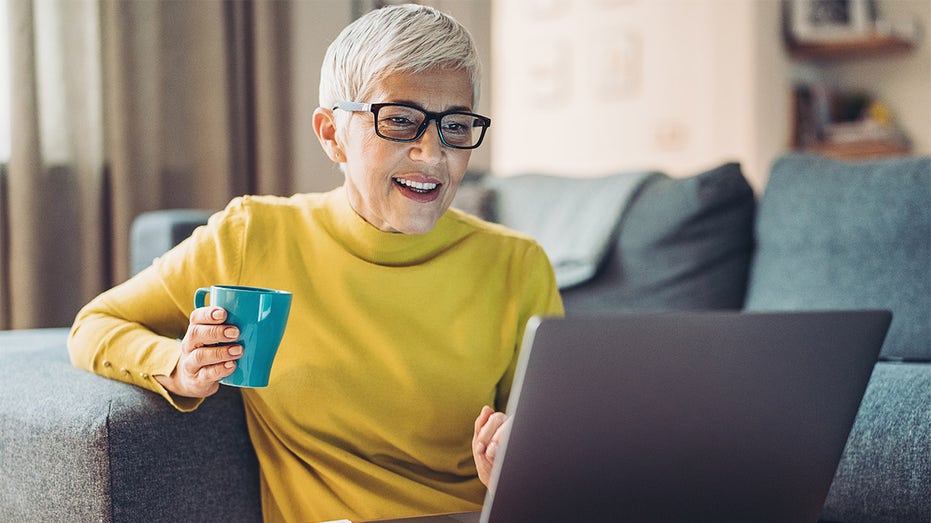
419, 191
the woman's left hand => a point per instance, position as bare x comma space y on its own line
490, 427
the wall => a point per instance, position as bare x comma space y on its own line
590, 87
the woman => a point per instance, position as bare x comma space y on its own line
406, 316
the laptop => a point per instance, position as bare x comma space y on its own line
684, 416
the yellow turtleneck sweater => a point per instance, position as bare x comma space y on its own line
393, 345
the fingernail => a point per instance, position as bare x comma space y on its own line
216, 314
229, 365
235, 350
231, 332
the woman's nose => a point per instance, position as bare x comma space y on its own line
429, 147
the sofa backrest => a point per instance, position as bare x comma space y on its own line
848, 235
153, 233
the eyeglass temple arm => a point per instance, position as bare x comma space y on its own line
353, 106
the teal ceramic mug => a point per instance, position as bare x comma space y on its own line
261, 316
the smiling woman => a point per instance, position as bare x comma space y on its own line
407, 315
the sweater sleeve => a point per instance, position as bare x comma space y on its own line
131, 333
537, 295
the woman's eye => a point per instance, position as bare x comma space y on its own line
397, 121
455, 126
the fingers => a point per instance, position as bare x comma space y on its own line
209, 315
200, 335
483, 418
208, 352
490, 434
490, 428
207, 328
211, 361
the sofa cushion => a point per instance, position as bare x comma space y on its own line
683, 243
837, 234
885, 474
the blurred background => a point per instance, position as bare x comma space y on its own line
110, 108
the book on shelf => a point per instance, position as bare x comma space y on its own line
826, 116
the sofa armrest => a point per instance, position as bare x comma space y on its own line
885, 474
79, 447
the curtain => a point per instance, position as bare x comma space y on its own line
121, 107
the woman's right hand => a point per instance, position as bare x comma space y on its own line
490, 429
208, 355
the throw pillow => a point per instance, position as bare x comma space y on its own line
683, 244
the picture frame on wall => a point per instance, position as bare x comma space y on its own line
831, 20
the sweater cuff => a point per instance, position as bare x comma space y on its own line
164, 359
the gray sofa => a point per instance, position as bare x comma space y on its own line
824, 234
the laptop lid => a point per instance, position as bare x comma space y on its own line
714, 416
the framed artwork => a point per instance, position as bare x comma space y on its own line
831, 20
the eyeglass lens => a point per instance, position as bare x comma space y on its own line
399, 122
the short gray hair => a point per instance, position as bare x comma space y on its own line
395, 39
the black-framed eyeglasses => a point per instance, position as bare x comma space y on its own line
406, 123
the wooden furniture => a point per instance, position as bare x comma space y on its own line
807, 128
872, 45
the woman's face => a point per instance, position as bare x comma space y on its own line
406, 187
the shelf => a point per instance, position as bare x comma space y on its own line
814, 111
871, 149
871, 45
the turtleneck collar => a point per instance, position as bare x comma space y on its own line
368, 242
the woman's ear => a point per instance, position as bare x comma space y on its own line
325, 129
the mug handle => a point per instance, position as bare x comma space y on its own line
199, 296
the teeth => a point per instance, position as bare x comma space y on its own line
417, 186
